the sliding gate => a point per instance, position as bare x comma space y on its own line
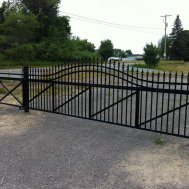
113, 93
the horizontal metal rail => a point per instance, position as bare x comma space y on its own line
162, 90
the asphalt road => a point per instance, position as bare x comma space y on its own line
13, 73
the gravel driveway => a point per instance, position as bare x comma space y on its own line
49, 151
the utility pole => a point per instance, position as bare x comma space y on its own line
166, 25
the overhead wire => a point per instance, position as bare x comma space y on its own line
111, 24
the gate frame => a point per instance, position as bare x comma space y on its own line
27, 77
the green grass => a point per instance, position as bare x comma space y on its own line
2, 90
132, 61
163, 65
159, 140
18, 64
169, 65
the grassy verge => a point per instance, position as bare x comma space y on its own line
179, 66
18, 64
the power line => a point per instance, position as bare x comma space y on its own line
121, 26
105, 22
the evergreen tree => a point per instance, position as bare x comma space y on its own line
176, 41
184, 51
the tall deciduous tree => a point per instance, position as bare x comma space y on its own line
128, 52
19, 28
42, 7
119, 53
106, 49
2, 11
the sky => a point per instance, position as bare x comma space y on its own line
129, 24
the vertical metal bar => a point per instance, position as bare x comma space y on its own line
131, 104
180, 103
151, 104
141, 95
126, 108
25, 90
174, 104
58, 87
82, 89
146, 99
162, 105
33, 88
113, 99
109, 83
78, 81
93, 81
137, 107
30, 85
41, 89
186, 110
85, 81
90, 101
69, 87
52, 98
42, 86
49, 91
122, 83
62, 72
97, 87
157, 99
37, 77
101, 89
105, 77
47, 96
117, 113
75, 87
168, 104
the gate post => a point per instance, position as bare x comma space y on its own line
25, 90
137, 108
90, 101
53, 97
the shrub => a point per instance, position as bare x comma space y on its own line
151, 55
20, 52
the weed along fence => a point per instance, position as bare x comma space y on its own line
106, 92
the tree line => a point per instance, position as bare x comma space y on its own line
177, 42
33, 30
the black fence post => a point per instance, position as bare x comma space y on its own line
25, 90
137, 107
90, 101
53, 97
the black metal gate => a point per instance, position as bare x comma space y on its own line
111, 93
